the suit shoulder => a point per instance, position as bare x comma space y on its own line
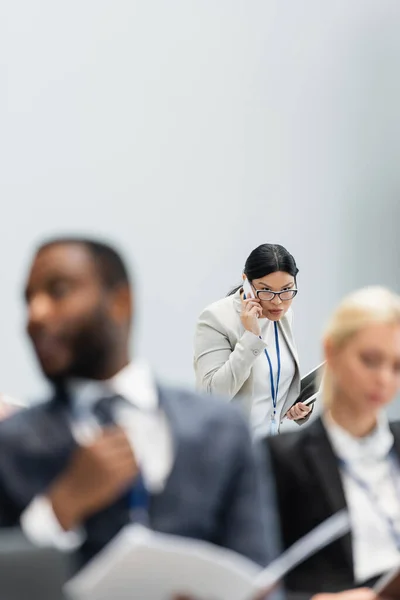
205, 411
219, 311
22, 421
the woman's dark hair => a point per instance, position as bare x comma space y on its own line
267, 259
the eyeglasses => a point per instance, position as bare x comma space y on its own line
267, 296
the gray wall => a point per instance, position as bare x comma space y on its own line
189, 132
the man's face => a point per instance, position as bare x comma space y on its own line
69, 317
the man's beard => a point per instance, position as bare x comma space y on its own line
92, 348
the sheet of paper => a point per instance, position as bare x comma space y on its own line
141, 563
324, 534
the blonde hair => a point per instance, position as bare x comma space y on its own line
363, 308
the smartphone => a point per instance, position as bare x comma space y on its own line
247, 289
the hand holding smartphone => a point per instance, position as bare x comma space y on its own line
251, 311
247, 289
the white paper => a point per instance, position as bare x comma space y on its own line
140, 563
146, 565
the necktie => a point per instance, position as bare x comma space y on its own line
138, 494
104, 408
130, 507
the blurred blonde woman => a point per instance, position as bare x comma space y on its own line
350, 457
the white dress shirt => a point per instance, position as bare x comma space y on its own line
147, 429
368, 459
262, 407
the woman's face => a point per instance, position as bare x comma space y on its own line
366, 370
275, 282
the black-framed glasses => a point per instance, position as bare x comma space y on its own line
267, 296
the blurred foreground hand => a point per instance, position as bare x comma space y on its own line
8, 406
358, 594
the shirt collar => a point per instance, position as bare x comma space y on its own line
374, 446
134, 382
237, 300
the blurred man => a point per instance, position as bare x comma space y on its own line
111, 446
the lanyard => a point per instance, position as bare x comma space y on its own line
374, 499
274, 388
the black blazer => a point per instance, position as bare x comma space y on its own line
310, 490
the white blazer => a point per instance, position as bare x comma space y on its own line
224, 353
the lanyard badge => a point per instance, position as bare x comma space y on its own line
374, 499
274, 427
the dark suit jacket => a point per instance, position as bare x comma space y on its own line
213, 493
310, 490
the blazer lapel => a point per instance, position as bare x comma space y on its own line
295, 388
322, 458
176, 420
286, 331
168, 509
395, 429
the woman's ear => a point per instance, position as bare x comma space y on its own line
244, 276
329, 351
